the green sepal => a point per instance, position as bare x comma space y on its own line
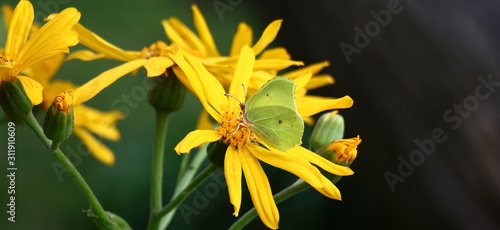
216, 151
118, 222
327, 130
167, 94
14, 100
58, 126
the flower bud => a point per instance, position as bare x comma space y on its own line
14, 100
341, 152
167, 93
59, 120
216, 152
329, 128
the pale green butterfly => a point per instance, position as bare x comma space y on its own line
272, 115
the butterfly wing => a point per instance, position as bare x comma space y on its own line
279, 91
279, 127
273, 116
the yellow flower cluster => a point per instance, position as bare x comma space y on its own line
194, 59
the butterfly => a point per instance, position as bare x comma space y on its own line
272, 115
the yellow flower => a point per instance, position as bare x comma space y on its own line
20, 53
244, 151
345, 149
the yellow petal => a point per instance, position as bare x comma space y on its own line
302, 153
232, 172
243, 37
313, 68
85, 55
33, 89
267, 37
193, 81
204, 121
282, 160
53, 38
157, 66
95, 147
258, 79
19, 28
173, 35
207, 87
319, 81
183, 78
259, 188
301, 82
275, 64
7, 14
309, 121
279, 53
309, 108
101, 123
94, 86
195, 139
94, 42
53, 89
329, 190
204, 32
242, 73
193, 42
44, 71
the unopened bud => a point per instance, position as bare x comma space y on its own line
167, 93
329, 128
59, 120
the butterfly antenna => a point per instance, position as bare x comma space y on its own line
227, 94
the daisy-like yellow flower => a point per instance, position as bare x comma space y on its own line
244, 148
20, 53
87, 120
270, 61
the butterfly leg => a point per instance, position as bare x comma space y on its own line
237, 128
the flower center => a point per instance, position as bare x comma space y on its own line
234, 131
158, 49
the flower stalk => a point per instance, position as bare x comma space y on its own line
162, 119
154, 224
102, 219
297, 187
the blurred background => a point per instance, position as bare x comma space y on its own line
412, 73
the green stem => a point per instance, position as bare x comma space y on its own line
182, 169
155, 223
162, 119
293, 189
97, 208
30, 120
84, 187
188, 175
